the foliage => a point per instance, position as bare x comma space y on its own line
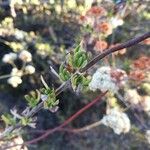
68, 36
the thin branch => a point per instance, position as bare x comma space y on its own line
88, 127
66, 122
70, 119
108, 51
72, 130
95, 60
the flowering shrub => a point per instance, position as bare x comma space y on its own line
124, 85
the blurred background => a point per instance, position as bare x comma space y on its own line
46, 30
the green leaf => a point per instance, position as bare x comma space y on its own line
64, 73
8, 119
51, 100
77, 49
25, 121
33, 98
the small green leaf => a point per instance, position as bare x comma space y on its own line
33, 98
64, 73
8, 119
25, 121
77, 49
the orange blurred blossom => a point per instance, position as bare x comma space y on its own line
137, 75
142, 63
105, 28
96, 11
100, 45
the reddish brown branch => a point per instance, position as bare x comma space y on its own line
127, 44
50, 131
108, 51
70, 119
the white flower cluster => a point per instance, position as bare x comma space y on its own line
115, 22
102, 80
16, 74
118, 121
29, 69
25, 56
15, 78
132, 96
9, 58
145, 103
10, 143
147, 136
141, 102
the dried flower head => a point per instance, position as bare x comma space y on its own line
142, 63
105, 28
100, 45
137, 75
119, 76
96, 11
82, 18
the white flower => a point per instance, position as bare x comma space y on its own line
102, 80
19, 34
15, 78
52, 1
118, 121
29, 69
145, 103
132, 96
9, 58
16, 72
14, 144
25, 56
116, 22
147, 135
14, 81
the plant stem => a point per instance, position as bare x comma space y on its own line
5, 76
88, 127
50, 131
66, 122
109, 51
